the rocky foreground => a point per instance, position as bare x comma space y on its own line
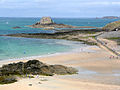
33, 67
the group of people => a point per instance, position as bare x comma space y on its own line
113, 57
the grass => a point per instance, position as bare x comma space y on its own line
112, 26
113, 38
117, 39
88, 32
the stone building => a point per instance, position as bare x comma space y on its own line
46, 20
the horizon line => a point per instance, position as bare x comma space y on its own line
51, 17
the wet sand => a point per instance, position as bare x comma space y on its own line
97, 71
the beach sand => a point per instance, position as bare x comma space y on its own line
97, 71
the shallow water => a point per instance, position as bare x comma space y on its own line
11, 47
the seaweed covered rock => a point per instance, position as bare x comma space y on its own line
16, 27
60, 69
7, 79
112, 26
35, 67
12, 69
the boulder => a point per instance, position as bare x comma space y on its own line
16, 27
7, 79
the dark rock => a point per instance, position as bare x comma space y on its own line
35, 67
39, 83
7, 79
12, 69
16, 27
30, 84
46, 70
60, 69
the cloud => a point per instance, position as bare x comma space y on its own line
55, 3
102, 3
60, 7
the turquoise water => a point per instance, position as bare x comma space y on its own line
6, 24
13, 48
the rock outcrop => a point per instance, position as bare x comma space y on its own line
47, 23
114, 26
7, 79
16, 27
9, 73
35, 67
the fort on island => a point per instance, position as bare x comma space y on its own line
48, 23
45, 21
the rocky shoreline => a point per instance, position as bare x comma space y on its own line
9, 72
86, 36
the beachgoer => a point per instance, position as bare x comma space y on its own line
24, 52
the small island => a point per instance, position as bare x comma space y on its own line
47, 24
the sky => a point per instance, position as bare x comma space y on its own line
59, 8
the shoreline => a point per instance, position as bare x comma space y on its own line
96, 71
74, 50
89, 62
85, 36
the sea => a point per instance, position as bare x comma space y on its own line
17, 48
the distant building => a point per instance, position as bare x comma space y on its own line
46, 20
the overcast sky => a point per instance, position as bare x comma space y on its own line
59, 8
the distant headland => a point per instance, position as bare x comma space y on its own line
109, 17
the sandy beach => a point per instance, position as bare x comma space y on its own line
96, 72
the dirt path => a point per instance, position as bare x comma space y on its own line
108, 45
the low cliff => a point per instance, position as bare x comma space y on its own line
114, 26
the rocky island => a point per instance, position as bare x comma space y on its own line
47, 23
